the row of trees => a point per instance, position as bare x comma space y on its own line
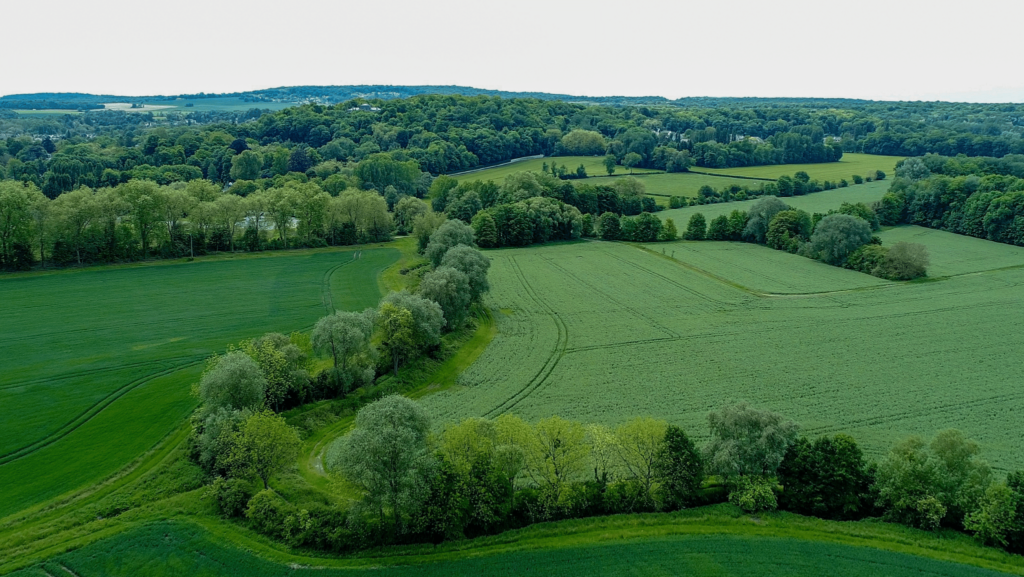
484, 476
985, 204
840, 237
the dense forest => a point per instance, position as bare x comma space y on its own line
112, 185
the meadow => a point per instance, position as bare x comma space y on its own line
593, 164
665, 185
815, 202
98, 363
600, 332
954, 254
852, 163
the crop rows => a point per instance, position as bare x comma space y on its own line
648, 336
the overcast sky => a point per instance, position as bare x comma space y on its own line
875, 49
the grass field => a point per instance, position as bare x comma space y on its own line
662, 186
953, 254
705, 541
817, 202
593, 164
586, 320
98, 363
851, 164
760, 269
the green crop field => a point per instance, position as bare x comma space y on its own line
852, 163
815, 202
764, 270
593, 164
686, 184
953, 254
98, 363
606, 331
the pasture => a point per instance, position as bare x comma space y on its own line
851, 163
663, 185
602, 332
593, 164
98, 363
953, 254
815, 202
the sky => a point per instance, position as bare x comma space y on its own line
872, 49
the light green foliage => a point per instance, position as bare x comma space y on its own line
427, 316
747, 442
485, 230
754, 494
639, 442
473, 264
282, 364
215, 440
447, 236
366, 210
424, 226
922, 485
997, 516
397, 333
556, 453
851, 163
449, 288
247, 166
127, 343
233, 381
583, 143
16, 202
788, 230
264, 445
406, 211
668, 231
668, 341
343, 335
465, 443
837, 236
386, 455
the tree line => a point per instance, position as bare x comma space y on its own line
982, 198
482, 476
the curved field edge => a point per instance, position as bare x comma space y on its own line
720, 520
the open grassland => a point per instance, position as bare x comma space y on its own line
662, 186
852, 163
98, 363
953, 254
815, 202
606, 331
706, 541
593, 164
762, 269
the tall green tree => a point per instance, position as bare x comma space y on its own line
263, 446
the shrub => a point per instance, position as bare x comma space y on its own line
905, 261
230, 496
754, 494
266, 512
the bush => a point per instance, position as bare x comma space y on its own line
904, 261
230, 496
266, 512
866, 259
858, 179
697, 228
754, 494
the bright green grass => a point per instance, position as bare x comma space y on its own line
816, 202
47, 112
682, 184
97, 363
593, 164
171, 548
851, 164
952, 254
603, 332
761, 269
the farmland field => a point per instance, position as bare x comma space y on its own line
97, 363
814, 202
729, 549
852, 163
761, 269
686, 184
593, 164
582, 321
952, 254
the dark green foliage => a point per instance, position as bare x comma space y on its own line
837, 236
485, 230
681, 468
827, 477
609, 226
719, 228
867, 259
788, 229
696, 228
231, 496
862, 211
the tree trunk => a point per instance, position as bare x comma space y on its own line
395, 358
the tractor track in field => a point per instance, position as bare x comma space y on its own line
325, 283
561, 343
88, 372
92, 411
